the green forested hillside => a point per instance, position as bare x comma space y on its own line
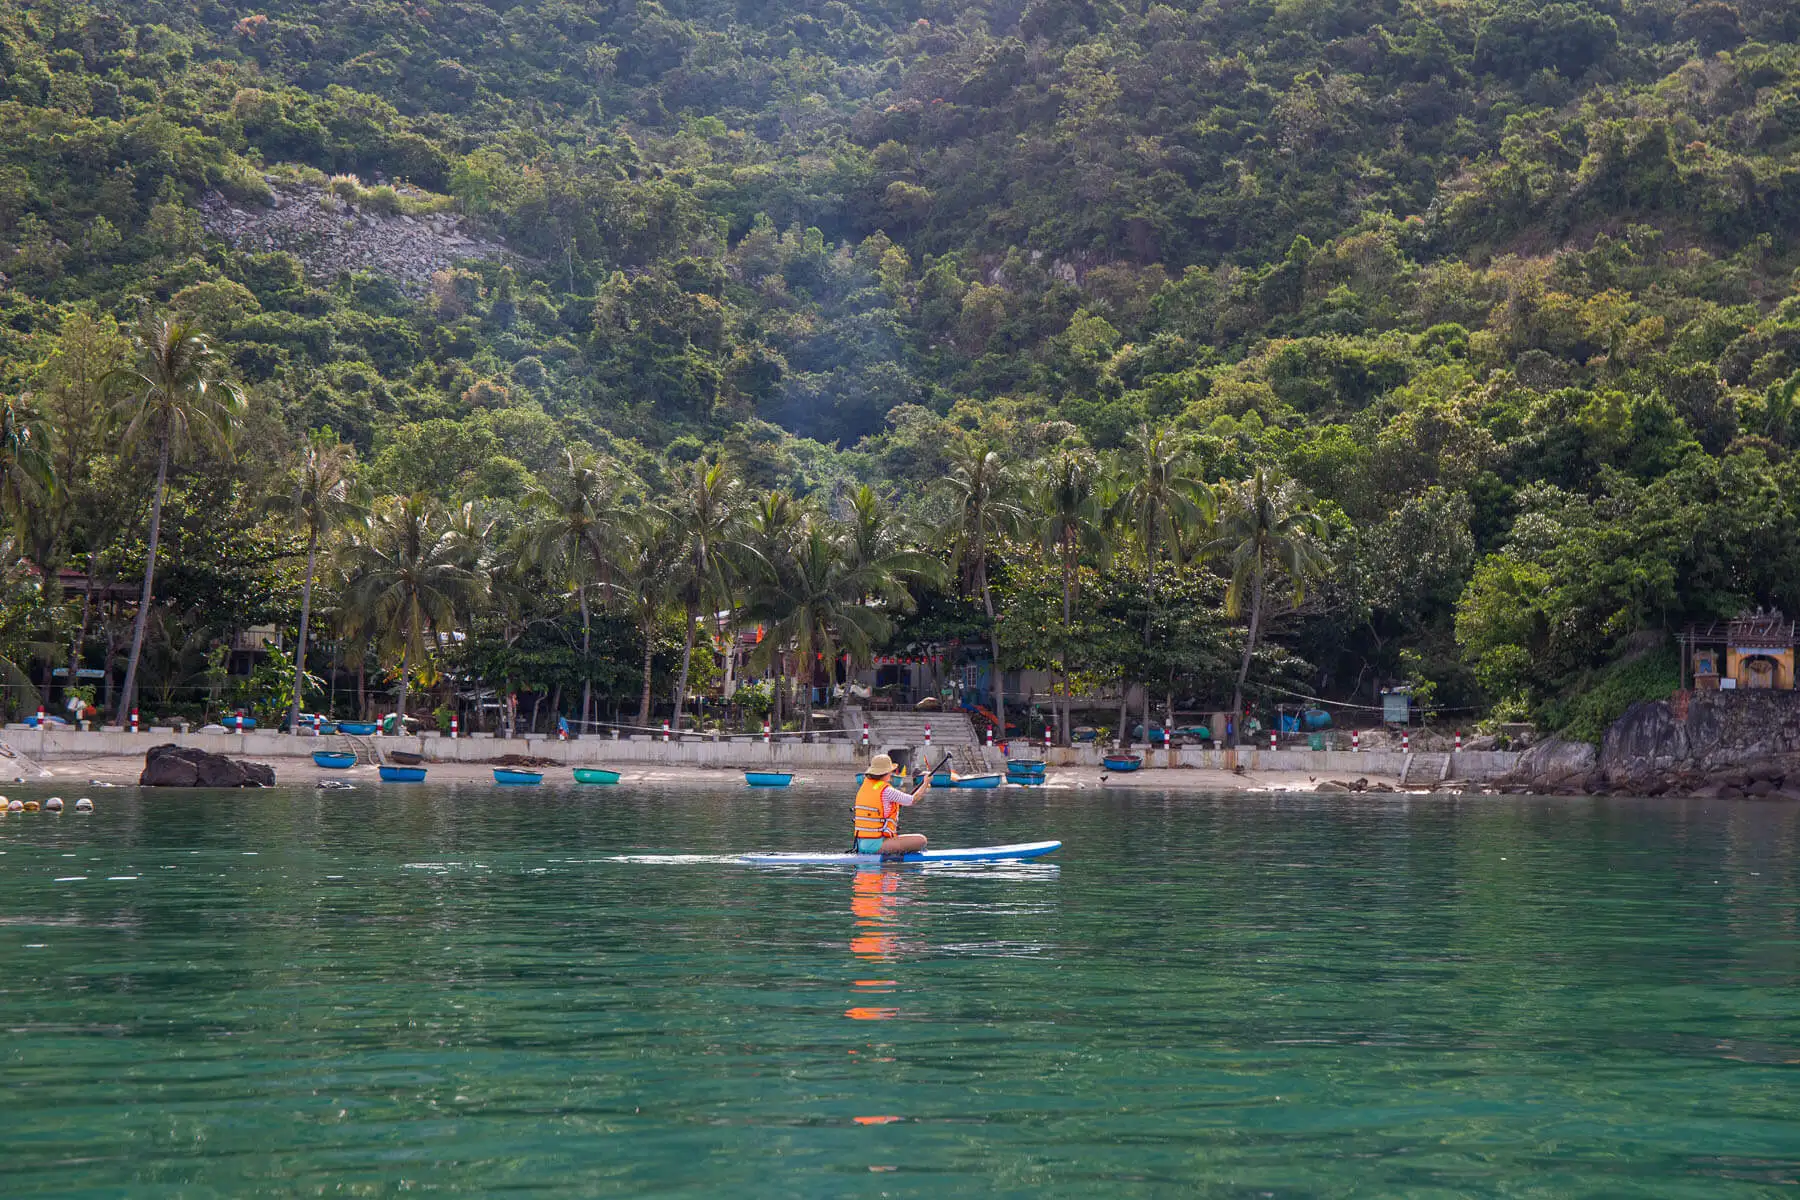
1503, 291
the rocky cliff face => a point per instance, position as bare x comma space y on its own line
1725, 740
330, 235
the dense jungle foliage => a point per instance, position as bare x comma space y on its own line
1462, 337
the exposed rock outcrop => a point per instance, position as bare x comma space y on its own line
1729, 744
329, 235
170, 765
1555, 765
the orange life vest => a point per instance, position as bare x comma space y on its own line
875, 817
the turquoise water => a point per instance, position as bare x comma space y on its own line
364, 993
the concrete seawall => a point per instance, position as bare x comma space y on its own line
702, 751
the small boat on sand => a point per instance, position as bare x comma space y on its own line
334, 760
768, 778
975, 781
402, 774
1121, 763
595, 775
512, 777
405, 758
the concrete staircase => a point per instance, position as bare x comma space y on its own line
951, 732
1425, 770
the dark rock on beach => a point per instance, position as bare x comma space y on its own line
170, 765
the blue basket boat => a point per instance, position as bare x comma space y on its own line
403, 774
359, 728
979, 782
512, 778
239, 721
1121, 763
1026, 770
334, 760
768, 778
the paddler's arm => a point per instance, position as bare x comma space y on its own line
895, 795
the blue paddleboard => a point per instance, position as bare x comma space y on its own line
970, 854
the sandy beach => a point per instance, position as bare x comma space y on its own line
121, 770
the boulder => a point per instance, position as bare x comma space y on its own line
1331, 785
1554, 763
170, 765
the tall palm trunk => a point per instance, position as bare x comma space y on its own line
777, 685
587, 678
1149, 627
1256, 607
80, 638
1068, 616
312, 559
129, 691
687, 658
995, 673
644, 700
405, 673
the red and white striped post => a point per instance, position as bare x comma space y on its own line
1459, 741
665, 730
1271, 739
454, 728
928, 735
134, 721
1405, 741
318, 724
766, 735
1046, 737
562, 732
40, 723
865, 735
1356, 741
990, 735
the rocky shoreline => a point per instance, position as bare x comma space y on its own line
1718, 745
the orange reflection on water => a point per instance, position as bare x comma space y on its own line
871, 1014
873, 900
874, 1120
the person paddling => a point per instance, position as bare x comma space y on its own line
878, 805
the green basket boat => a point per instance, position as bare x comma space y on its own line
595, 775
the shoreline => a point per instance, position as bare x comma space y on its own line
121, 770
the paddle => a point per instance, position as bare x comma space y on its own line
941, 763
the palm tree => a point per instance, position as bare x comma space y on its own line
409, 574
176, 396
649, 559
817, 601
879, 547
27, 476
1266, 532
322, 501
573, 537
1070, 518
985, 494
1161, 506
775, 527
709, 520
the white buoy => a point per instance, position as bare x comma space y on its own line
53, 804
84, 805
